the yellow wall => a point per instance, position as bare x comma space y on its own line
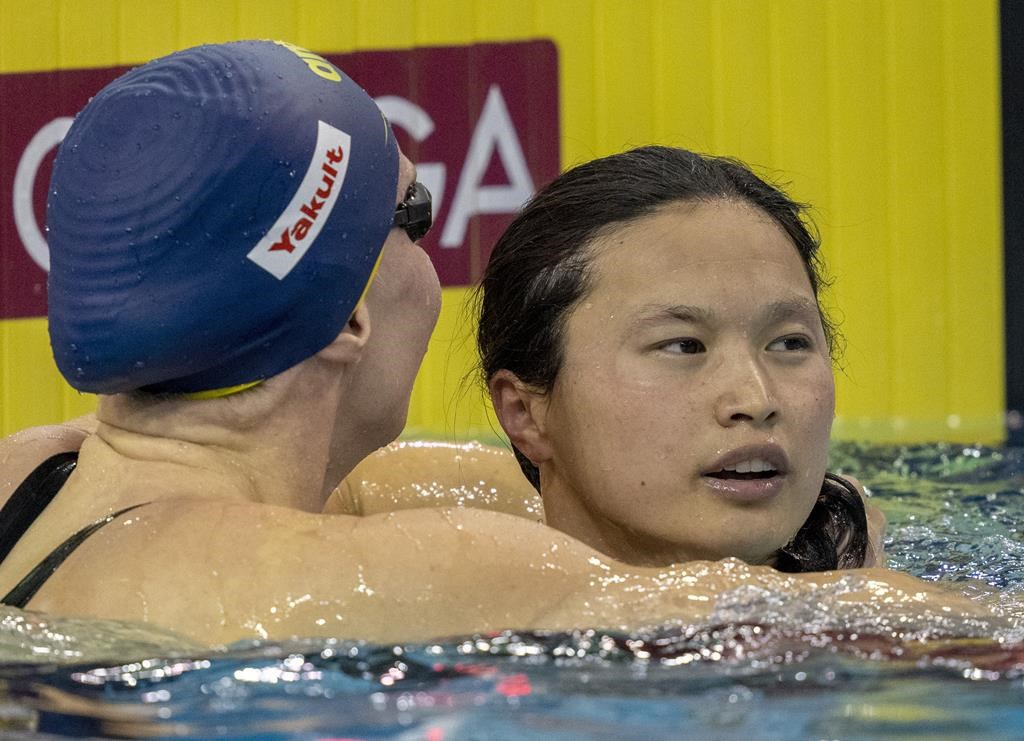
882, 113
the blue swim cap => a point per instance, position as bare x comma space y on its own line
214, 217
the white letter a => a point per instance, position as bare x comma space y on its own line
494, 129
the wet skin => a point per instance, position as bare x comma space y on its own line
699, 347
225, 549
404, 298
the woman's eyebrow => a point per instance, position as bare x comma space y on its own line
794, 308
656, 313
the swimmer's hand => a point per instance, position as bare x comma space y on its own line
875, 553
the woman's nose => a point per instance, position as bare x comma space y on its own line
746, 396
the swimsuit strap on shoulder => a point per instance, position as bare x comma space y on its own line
27, 587
32, 497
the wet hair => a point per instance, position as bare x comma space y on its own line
541, 268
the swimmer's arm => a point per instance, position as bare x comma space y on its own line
408, 475
236, 570
407, 576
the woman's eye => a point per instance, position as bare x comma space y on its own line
688, 346
790, 344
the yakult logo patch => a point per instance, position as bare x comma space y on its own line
297, 227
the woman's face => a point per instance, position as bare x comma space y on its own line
692, 412
404, 299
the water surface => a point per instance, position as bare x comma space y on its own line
766, 666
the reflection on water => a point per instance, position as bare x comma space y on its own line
766, 666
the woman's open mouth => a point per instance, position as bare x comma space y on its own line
749, 474
756, 468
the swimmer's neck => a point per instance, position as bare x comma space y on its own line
271, 447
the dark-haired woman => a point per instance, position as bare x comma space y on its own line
654, 346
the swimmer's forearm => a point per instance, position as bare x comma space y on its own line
411, 475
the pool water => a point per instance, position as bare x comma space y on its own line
767, 666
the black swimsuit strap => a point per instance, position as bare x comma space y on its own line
32, 497
27, 587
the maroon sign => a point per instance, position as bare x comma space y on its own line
480, 122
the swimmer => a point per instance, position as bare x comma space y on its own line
659, 358
235, 272
634, 449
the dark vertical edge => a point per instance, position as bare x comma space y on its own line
1011, 32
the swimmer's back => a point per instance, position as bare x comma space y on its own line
221, 569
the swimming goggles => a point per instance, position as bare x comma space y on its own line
415, 213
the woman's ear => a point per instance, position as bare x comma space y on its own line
347, 347
522, 413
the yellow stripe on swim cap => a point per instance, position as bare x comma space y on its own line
373, 274
220, 393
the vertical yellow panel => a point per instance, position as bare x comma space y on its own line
398, 29
681, 75
917, 281
148, 28
448, 398
326, 27
7, 351
624, 93
206, 21
266, 20
799, 70
741, 80
575, 43
857, 233
444, 23
88, 33
29, 36
31, 393
503, 20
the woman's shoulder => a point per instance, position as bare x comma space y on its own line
243, 569
22, 452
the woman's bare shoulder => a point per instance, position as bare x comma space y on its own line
23, 451
220, 571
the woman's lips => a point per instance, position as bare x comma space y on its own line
746, 490
750, 473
